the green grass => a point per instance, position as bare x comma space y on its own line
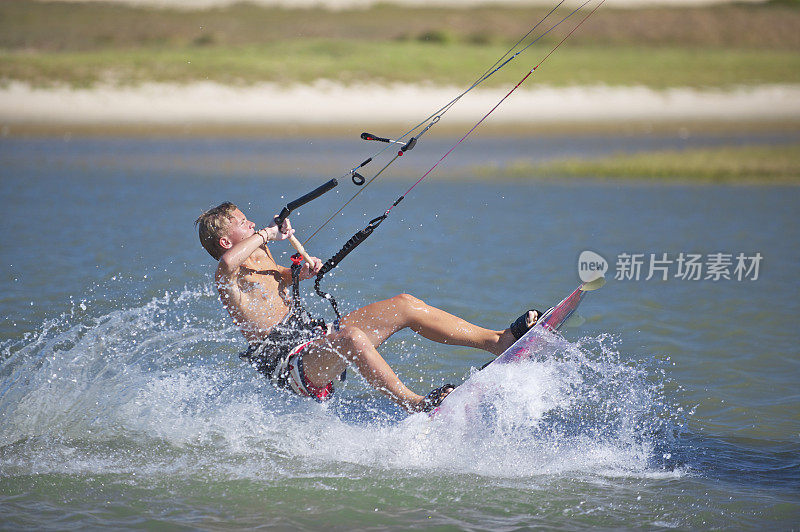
81, 44
26, 24
748, 164
391, 61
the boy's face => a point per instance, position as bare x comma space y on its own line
238, 229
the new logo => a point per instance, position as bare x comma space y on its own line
591, 266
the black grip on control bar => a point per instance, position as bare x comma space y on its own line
299, 202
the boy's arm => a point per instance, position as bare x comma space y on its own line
309, 271
227, 275
232, 259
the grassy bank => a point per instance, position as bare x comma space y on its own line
748, 164
412, 62
84, 44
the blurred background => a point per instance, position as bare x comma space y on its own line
213, 67
215, 63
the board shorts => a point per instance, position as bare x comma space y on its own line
290, 369
280, 359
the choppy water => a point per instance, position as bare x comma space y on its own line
122, 401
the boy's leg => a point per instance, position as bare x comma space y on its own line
363, 330
382, 319
326, 359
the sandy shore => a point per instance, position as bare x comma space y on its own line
331, 104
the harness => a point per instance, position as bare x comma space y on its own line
297, 327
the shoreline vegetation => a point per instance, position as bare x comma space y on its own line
351, 62
85, 44
774, 165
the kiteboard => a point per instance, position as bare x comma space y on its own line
525, 347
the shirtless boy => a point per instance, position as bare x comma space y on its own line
253, 289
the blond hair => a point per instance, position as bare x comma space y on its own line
212, 225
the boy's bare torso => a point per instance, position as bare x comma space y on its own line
259, 299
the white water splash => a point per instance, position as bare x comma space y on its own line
157, 388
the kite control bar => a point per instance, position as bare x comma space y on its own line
299, 202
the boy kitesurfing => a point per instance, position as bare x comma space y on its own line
307, 356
